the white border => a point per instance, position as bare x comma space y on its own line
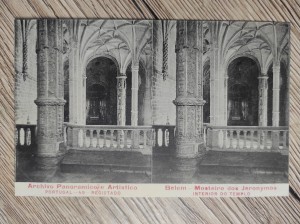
149, 190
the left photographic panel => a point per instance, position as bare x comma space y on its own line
81, 101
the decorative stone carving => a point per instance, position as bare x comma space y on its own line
25, 31
263, 100
189, 102
50, 100
121, 99
165, 31
189, 92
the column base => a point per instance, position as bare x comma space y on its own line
185, 169
48, 150
46, 168
189, 150
47, 164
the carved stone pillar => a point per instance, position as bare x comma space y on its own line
263, 100
189, 92
134, 94
121, 99
276, 94
50, 95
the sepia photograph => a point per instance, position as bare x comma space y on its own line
151, 101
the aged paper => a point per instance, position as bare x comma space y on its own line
151, 108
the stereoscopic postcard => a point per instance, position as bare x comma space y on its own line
151, 108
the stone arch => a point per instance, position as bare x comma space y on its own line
104, 55
245, 55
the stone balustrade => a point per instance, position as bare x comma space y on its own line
25, 137
247, 138
159, 137
164, 138
110, 137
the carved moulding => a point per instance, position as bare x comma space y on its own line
188, 102
50, 102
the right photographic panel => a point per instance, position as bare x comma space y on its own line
220, 102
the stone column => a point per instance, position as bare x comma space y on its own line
147, 98
134, 94
263, 100
73, 82
218, 78
121, 99
83, 108
225, 118
50, 80
189, 101
213, 84
276, 95
218, 87
276, 101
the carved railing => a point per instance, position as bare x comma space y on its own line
164, 136
247, 138
26, 137
109, 137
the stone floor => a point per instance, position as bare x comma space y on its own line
121, 167
89, 167
222, 167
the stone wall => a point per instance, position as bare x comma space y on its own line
163, 91
26, 90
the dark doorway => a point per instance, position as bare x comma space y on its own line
243, 75
101, 95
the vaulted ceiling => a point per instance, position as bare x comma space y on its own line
262, 40
131, 40
125, 40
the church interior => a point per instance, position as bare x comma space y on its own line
151, 101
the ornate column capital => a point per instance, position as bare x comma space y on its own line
263, 76
121, 76
135, 67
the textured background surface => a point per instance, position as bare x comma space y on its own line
144, 210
